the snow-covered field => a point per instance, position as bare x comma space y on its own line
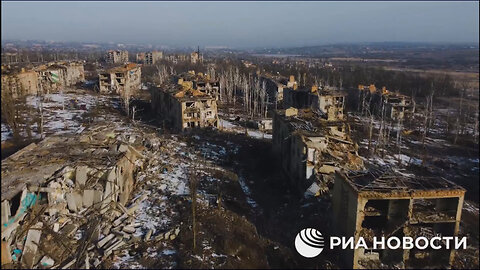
229, 126
62, 113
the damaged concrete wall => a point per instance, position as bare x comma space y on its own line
121, 80
310, 151
20, 84
382, 211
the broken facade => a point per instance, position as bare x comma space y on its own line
116, 57
331, 103
384, 203
396, 106
182, 106
58, 74
274, 87
122, 80
311, 148
45, 78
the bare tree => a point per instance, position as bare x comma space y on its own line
193, 194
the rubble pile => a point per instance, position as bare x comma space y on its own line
65, 201
161, 215
334, 154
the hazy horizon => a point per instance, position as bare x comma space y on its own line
242, 24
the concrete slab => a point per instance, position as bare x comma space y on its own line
71, 202
88, 197
29, 257
81, 176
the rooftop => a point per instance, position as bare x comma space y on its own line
96, 147
123, 68
307, 120
385, 182
181, 92
325, 91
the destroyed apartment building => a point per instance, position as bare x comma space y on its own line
19, 82
328, 99
312, 148
201, 82
176, 58
396, 105
116, 57
66, 200
50, 77
122, 80
383, 203
274, 87
53, 76
180, 105
149, 58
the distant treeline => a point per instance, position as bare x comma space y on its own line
348, 76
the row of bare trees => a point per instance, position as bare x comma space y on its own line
18, 117
246, 88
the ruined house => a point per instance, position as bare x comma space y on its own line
122, 80
311, 148
19, 82
149, 58
116, 57
181, 106
384, 203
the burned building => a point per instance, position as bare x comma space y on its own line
395, 106
121, 80
181, 106
380, 203
116, 57
311, 148
274, 87
149, 58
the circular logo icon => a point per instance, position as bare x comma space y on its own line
309, 242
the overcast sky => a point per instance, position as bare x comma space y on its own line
241, 24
